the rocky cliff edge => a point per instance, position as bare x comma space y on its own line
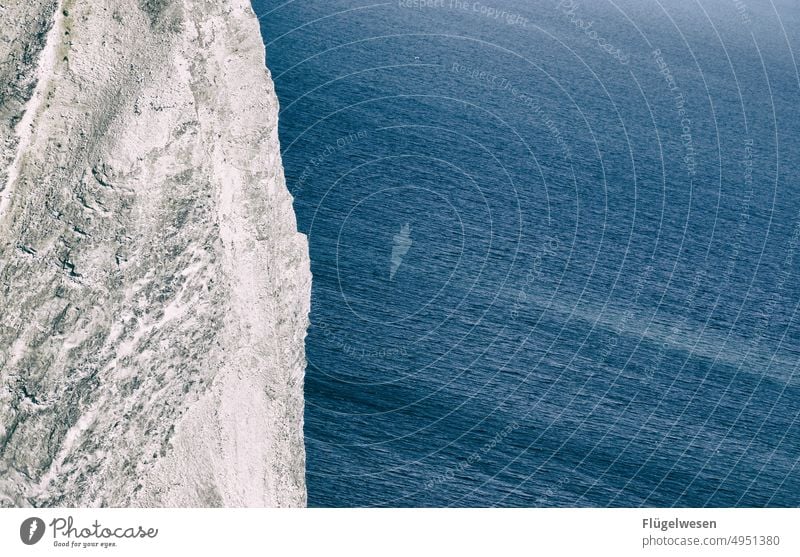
154, 290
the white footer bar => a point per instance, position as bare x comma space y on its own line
407, 532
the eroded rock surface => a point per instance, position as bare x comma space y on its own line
154, 289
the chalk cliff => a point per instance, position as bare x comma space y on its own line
154, 290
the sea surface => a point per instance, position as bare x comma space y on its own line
555, 249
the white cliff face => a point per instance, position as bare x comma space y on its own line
154, 290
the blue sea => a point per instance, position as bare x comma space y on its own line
555, 249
